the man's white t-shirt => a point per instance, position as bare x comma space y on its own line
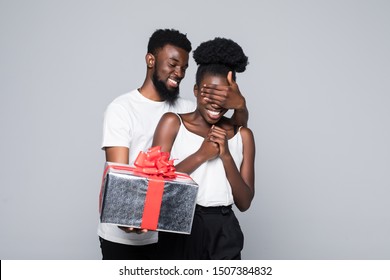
130, 121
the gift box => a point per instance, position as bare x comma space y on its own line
149, 195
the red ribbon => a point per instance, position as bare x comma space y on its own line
152, 204
156, 165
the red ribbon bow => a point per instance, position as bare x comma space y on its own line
155, 162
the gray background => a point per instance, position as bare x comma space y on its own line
317, 89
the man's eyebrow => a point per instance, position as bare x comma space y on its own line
177, 60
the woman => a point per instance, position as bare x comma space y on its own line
218, 155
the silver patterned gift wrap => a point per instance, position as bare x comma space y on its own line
130, 198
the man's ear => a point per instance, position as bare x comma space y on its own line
196, 90
150, 60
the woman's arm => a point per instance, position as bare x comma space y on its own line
242, 181
166, 131
207, 151
165, 136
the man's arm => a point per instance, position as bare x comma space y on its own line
117, 154
121, 155
241, 115
228, 97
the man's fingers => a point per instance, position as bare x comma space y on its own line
131, 229
230, 78
209, 87
211, 98
214, 89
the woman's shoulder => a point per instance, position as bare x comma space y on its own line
171, 117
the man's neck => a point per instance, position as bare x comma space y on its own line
149, 91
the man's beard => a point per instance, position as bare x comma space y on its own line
168, 95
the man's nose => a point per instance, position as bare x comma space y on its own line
179, 72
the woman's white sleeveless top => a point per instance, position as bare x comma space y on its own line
214, 188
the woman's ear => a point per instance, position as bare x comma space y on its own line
196, 90
149, 59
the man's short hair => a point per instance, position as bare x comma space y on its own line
162, 37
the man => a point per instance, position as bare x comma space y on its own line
130, 121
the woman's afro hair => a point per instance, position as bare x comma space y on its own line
221, 51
